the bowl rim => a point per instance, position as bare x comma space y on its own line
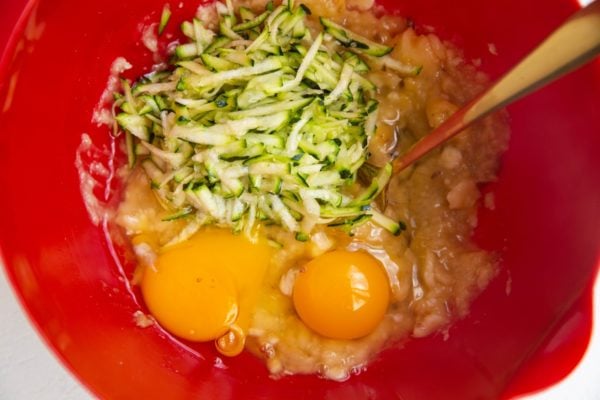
578, 383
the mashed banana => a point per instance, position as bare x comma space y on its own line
434, 268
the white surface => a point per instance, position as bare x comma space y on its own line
583, 383
28, 370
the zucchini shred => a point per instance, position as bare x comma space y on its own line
262, 121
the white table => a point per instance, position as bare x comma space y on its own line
28, 369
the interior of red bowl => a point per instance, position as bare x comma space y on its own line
545, 221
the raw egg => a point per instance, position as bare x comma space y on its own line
206, 287
342, 294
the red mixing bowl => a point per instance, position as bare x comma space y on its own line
546, 221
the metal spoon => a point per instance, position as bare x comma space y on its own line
574, 43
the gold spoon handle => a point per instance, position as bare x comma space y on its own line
573, 44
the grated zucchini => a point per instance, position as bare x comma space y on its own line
259, 122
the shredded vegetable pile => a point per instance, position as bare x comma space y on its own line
261, 121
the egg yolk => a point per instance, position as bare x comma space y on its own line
205, 288
342, 294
